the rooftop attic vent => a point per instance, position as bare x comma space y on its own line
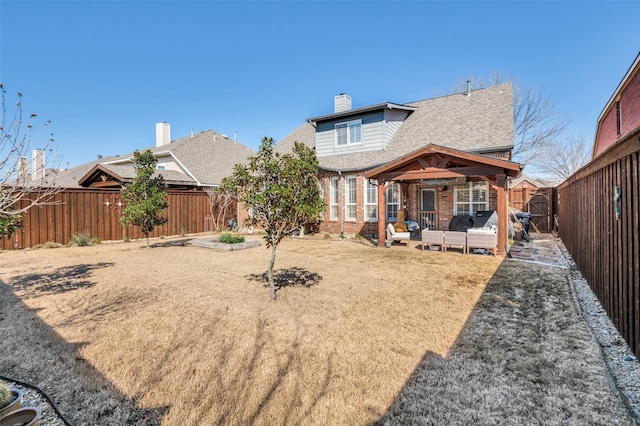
163, 134
342, 102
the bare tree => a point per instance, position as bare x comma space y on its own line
219, 204
19, 189
561, 159
536, 122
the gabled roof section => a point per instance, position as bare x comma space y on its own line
361, 110
305, 134
621, 86
532, 181
480, 122
433, 161
114, 175
205, 158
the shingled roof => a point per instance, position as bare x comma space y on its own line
207, 158
481, 122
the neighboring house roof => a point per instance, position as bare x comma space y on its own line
112, 175
517, 181
206, 158
480, 122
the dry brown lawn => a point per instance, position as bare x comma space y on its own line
184, 335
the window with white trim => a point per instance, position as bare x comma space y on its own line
348, 133
470, 198
393, 201
350, 198
334, 196
370, 201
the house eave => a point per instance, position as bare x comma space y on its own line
361, 110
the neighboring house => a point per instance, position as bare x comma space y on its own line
621, 115
194, 162
432, 159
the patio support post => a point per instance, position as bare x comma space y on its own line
501, 189
382, 213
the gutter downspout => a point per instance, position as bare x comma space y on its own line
341, 187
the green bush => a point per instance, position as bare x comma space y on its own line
5, 395
51, 244
230, 238
80, 239
96, 240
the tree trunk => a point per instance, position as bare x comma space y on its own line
272, 285
147, 235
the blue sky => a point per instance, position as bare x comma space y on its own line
105, 72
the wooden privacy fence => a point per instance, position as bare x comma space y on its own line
538, 202
598, 214
96, 213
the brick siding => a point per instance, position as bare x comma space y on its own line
629, 99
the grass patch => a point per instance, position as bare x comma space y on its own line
192, 338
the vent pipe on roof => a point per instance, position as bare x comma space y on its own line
342, 102
468, 87
163, 134
235, 135
191, 132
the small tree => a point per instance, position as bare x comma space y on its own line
281, 190
19, 190
146, 196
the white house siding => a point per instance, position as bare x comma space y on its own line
169, 164
393, 119
372, 135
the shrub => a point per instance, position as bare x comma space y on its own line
126, 239
80, 239
327, 236
230, 238
50, 245
5, 395
37, 246
96, 240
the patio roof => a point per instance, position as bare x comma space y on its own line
439, 162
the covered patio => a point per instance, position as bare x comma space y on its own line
432, 173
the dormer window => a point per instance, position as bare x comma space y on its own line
348, 133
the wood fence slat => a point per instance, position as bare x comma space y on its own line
86, 211
606, 248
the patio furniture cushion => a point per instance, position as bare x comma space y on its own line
482, 238
400, 225
432, 237
392, 235
455, 238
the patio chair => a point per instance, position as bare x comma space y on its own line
432, 238
455, 239
482, 238
392, 235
